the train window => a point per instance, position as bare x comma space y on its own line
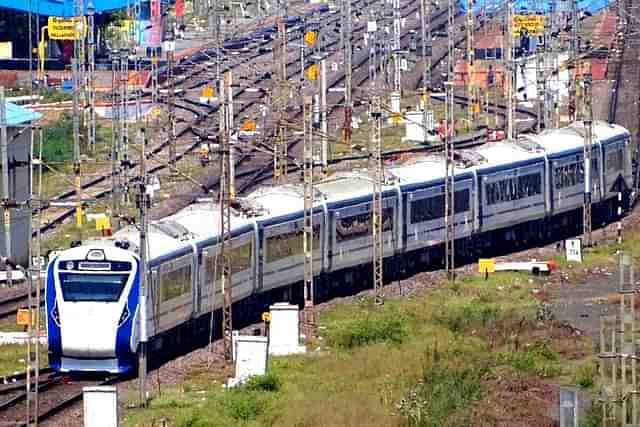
289, 244
433, 207
352, 227
614, 160
513, 188
175, 283
568, 175
92, 287
241, 257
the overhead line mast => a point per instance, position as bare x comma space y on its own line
225, 224
280, 100
425, 26
376, 172
348, 53
449, 186
307, 128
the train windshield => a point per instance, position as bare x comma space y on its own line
92, 287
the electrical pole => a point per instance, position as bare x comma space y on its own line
280, 149
171, 110
143, 204
471, 111
323, 116
228, 78
77, 83
308, 314
449, 186
115, 137
573, 58
377, 176
6, 198
425, 26
124, 122
397, 70
510, 71
225, 233
91, 127
348, 54
588, 141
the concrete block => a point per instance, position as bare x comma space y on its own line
284, 332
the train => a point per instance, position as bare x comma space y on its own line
506, 192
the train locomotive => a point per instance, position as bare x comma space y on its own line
511, 191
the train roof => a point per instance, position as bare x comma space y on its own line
199, 223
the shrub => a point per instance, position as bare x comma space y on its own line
268, 382
471, 315
58, 141
585, 375
242, 405
444, 393
536, 359
360, 332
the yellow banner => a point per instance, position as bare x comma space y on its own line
533, 24
486, 265
73, 28
6, 50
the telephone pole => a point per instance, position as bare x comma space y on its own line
377, 176
225, 232
307, 128
449, 186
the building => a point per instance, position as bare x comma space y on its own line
19, 153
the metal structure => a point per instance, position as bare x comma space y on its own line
225, 225
115, 138
323, 117
618, 354
171, 110
123, 149
77, 75
91, 86
376, 172
6, 199
397, 69
280, 101
510, 70
449, 186
587, 113
308, 314
425, 27
348, 55
471, 95
143, 205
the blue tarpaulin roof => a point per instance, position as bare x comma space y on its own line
61, 7
522, 6
17, 115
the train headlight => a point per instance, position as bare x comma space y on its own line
124, 316
69, 265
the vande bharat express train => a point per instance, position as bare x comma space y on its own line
506, 192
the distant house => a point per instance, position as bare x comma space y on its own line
19, 153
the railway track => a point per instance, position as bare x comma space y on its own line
55, 393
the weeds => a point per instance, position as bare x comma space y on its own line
445, 393
359, 332
268, 382
473, 314
537, 359
585, 375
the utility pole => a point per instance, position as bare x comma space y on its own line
573, 58
228, 79
449, 186
77, 83
6, 197
91, 126
280, 149
372, 30
588, 141
115, 138
471, 95
143, 204
377, 176
307, 128
225, 234
397, 70
425, 26
348, 54
171, 111
323, 116
124, 122
510, 71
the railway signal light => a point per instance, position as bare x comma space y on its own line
249, 125
312, 72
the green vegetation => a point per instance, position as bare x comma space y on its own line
425, 360
13, 357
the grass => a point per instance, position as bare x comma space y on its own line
421, 361
13, 358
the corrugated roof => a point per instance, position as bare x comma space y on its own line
17, 115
